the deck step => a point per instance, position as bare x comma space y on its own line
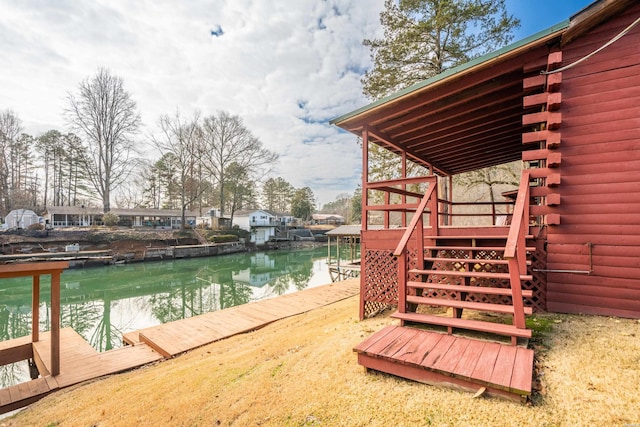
469, 289
454, 322
474, 248
471, 260
470, 305
503, 236
476, 274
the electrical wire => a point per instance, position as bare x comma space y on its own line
604, 46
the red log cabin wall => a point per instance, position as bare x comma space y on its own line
599, 209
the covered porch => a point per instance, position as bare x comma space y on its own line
476, 265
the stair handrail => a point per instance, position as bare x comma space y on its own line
515, 249
417, 217
519, 219
416, 225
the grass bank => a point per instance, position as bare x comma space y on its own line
301, 371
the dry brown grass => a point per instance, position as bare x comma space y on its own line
301, 371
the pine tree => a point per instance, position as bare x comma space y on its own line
423, 38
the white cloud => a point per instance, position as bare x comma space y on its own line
285, 67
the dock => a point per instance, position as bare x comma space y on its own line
79, 362
104, 256
174, 338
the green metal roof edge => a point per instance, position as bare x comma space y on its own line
467, 65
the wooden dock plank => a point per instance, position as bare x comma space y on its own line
486, 362
81, 362
439, 350
469, 359
451, 361
15, 350
364, 345
171, 339
503, 369
131, 338
5, 397
416, 352
447, 363
522, 372
397, 347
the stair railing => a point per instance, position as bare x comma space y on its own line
416, 227
515, 249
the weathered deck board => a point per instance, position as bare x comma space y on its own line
171, 339
79, 362
440, 359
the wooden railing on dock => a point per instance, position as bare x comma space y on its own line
35, 270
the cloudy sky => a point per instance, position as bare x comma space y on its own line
286, 67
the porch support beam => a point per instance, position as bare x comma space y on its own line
376, 133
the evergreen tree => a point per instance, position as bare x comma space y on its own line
277, 194
423, 38
302, 203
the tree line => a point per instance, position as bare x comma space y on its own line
203, 161
214, 160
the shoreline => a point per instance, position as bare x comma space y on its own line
302, 371
99, 247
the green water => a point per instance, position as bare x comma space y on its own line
102, 303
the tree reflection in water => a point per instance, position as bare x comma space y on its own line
102, 303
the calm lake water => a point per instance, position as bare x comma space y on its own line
102, 303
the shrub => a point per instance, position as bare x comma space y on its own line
223, 238
110, 219
35, 226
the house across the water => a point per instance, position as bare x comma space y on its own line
563, 103
83, 216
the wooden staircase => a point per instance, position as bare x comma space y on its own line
465, 273
476, 273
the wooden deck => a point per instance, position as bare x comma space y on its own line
79, 362
445, 360
171, 339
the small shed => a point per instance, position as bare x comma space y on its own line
21, 218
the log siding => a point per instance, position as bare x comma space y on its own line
599, 233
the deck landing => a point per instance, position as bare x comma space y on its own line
446, 360
79, 362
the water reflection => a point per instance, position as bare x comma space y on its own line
103, 303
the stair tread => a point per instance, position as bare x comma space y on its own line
471, 260
476, 325
474, 248
526, 293
478, 274
480, 237
471, 305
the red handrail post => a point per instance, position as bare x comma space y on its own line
35, 312
516, 251
402, 282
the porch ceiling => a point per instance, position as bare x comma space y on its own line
466, 120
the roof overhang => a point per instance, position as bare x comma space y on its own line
466, 118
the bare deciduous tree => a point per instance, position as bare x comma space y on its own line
181, 139
106, 118
10, 128
227, 141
